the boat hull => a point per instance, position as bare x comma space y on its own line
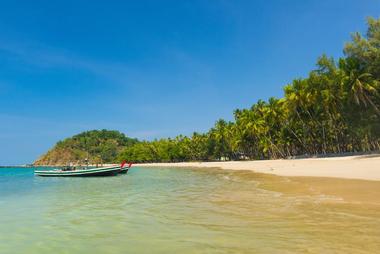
111, 171
124, 170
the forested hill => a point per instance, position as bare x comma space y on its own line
99, 146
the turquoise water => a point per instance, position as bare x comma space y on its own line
179, 211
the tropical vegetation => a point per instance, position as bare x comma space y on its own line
336, 109
96, 146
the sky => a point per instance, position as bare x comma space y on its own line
154, 69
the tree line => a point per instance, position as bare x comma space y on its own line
336, 109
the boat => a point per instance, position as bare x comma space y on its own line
72, 171
104, 171
124, 170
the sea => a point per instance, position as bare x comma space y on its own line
185, 210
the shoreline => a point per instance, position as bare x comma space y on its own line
362, 167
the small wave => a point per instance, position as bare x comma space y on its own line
226, 177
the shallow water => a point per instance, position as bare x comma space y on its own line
164, 210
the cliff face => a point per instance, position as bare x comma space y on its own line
98, 146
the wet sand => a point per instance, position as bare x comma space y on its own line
179, 210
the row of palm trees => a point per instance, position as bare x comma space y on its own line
336, 109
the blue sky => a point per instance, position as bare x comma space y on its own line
153, 69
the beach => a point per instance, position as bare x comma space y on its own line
364, 167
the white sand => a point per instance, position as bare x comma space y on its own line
365, 167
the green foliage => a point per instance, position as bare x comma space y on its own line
334, 110
98, 146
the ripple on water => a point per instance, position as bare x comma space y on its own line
185, 210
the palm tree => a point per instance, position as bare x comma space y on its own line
361, 86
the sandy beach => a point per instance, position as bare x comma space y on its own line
364, 167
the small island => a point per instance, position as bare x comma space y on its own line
94, 147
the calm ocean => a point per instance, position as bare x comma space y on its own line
173, 210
